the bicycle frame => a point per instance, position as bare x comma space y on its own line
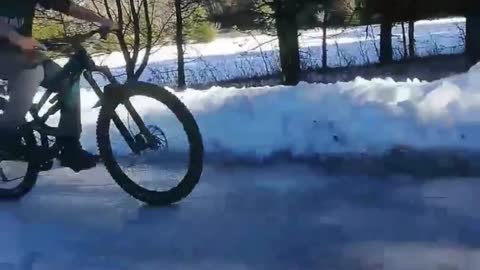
78, 64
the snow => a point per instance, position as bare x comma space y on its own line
366, 116
361, 116
246, 56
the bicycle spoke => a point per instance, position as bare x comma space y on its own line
138, 120
12, 173
3, 176
13, 179
124, 132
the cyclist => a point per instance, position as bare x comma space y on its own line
25, 77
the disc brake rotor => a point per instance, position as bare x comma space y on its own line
161, 142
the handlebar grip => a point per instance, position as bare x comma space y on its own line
41, 47
104, 33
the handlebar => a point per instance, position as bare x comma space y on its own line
72, 41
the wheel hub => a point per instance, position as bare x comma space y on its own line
157, 140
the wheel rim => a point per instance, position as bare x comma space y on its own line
12, 174
162, 163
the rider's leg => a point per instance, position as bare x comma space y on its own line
70, 127
22, 87
23, 82
70, 118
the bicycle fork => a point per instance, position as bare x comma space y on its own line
115, 92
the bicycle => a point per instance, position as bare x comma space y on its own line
38, 135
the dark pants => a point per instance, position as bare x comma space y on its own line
70, 119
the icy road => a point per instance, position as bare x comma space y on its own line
242, 217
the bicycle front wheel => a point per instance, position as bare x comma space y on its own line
150, 144
19, 175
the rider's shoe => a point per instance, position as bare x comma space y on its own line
11, 146
74, 157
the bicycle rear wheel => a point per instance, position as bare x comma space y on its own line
145, 154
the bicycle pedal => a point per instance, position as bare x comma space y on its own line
3, 103
7, 157
46, 166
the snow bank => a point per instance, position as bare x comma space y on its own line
358, 116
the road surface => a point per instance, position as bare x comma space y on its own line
277, 216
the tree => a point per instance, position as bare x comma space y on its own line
324, 17
191, 19
54, 25
472, 39
336, 13
384, 11
280, 17
179, 40
324, 39
283, 16
408, 45
143, 24
287, 32
411, 30
386, 49
411, 38
404, 40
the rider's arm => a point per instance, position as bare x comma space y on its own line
76, 11
9, 32
82, 13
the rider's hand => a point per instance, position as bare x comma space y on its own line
25, 43
109, 24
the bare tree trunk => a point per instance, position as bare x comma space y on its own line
324, 42
130, 63
386, 50
287, 31
411, 39
180, 42
404, 39
136, 31
148, 39
135, 21
472, 39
